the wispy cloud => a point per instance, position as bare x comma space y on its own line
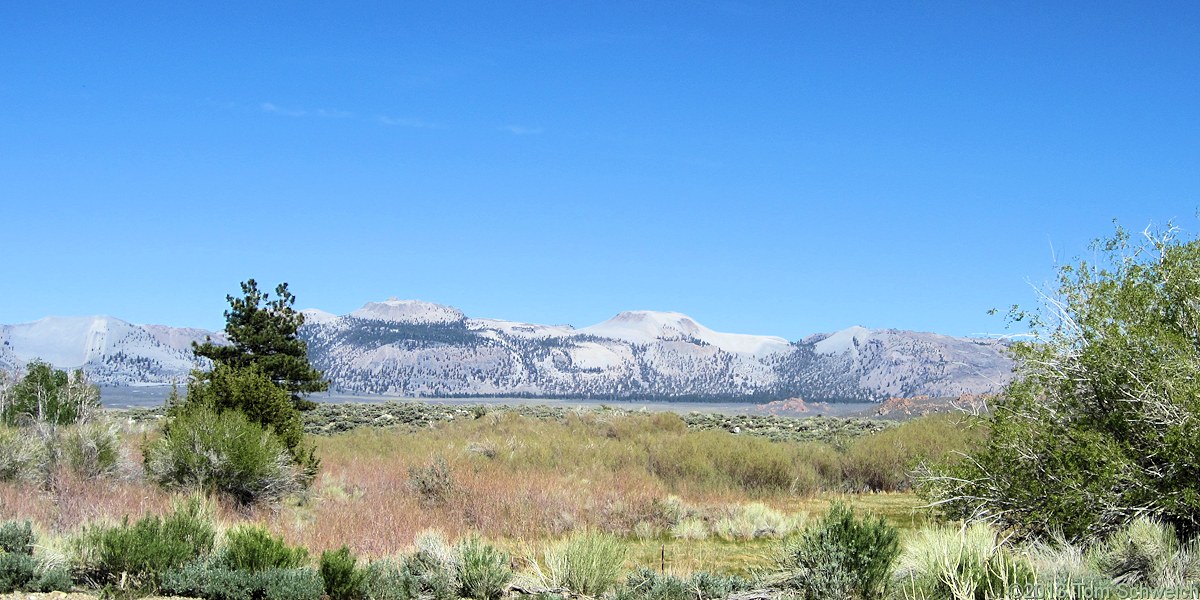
522, 130
325, 113
405, 122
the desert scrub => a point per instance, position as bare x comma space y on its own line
959, 564
432, 570
752, 521
136, 555
22, 454
483, 571
434, 483
92, 449
210, 582
252, 548
841, 556
339, 570
202, 449
645, 584
17, 537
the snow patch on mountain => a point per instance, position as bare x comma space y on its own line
849, 339
409, 311
647, 327
317, 316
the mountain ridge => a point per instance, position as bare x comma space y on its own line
417, 348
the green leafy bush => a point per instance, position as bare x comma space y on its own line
52, 579
841, 556
201, 580
138, 554
962, 564
342, 578
587, 563
48, 395
386, 580
645, 584
221, 451
252, 548
483, 571
17, 571
1099, 423
249, 391
17, 537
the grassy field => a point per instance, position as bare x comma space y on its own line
681, 486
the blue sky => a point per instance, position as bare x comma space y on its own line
777, 168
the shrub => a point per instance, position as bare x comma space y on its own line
385, 580
343, 579
690, 528
17, 537
252, 548
52, 579
433, 568
1099, 423
249, 391
961, 564
146, 549
22, 455
17, 571
587, 563
433, 484
483, 571
842, 557
200, 580
645, 584
92, 449
885, 461
206, 450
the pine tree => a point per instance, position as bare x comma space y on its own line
263, 333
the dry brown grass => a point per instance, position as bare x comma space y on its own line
517, 480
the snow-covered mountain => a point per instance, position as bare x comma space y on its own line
109, 350
415, 348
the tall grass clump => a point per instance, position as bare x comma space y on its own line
1147, 552
752, 521
841, 556
587, 563
135, 555
959, 564
483, 571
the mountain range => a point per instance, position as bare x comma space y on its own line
416, 348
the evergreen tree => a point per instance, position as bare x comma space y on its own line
263, 333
